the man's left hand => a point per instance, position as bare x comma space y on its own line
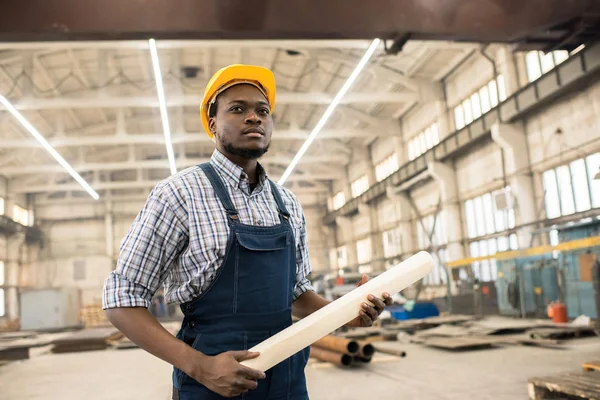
370, 312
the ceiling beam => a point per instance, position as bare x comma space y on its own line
163, 164
75, 187
178, 101
189, 44
190, 137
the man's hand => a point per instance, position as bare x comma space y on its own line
223, 374
370, 312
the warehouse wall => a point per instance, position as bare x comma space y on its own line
77, 253
480, 170
578, 118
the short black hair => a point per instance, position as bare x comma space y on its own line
212, 108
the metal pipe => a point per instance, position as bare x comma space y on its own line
393, 352
339, 359
338, 344
366, 349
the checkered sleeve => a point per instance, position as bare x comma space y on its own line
303, 268
147, 253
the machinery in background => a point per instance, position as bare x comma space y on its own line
577, 269
528, 284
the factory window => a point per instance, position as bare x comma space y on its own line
386, 167
480, 102
486, 270
360, 186
392, 243
363, 251
342, 257
538, 62
571, 188
440, 238
21, 215
338, 200
490, 213
593, 168
438, 275
1, 206
423, 141
439, 235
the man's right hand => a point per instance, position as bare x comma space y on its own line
223, 374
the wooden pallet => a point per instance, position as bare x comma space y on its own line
93, 315
591, 366
580, 385
562, 332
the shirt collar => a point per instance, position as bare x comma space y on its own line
235, 175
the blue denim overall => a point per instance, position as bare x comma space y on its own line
249, 300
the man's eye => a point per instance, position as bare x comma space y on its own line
236, 108
264, 111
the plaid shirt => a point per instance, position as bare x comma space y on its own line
180, 235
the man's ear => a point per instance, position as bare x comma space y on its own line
212, 125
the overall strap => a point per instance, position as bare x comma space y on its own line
220, 190
283, 212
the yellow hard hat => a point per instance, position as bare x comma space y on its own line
232, 75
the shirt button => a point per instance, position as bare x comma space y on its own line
191, 324
259, 222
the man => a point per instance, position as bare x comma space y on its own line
231, 246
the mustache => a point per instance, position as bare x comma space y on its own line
256, 129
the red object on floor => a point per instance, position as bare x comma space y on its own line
558, 313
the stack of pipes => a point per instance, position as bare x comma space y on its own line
341, 351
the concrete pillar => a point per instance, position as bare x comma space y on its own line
444, 126
15, 252
511, 138
446, 177
399, 149
508, 68
345, 225
405, 222
346, 188
363, 156
375, 235
109, 230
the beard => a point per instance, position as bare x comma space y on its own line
249, 154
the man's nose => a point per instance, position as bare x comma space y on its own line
252, 118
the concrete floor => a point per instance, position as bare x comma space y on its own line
499, 373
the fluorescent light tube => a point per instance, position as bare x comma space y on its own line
163, 105
329, 111
31, 129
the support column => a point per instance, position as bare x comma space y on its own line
511, 138
399, 149
443, 120
375, 235
345, 224
346, 188
15, 250
404, 223
108, 231
508, 68
446, 177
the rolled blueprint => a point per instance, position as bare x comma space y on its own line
338, 313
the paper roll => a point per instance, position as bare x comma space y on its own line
338, 313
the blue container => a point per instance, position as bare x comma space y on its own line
419, 311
